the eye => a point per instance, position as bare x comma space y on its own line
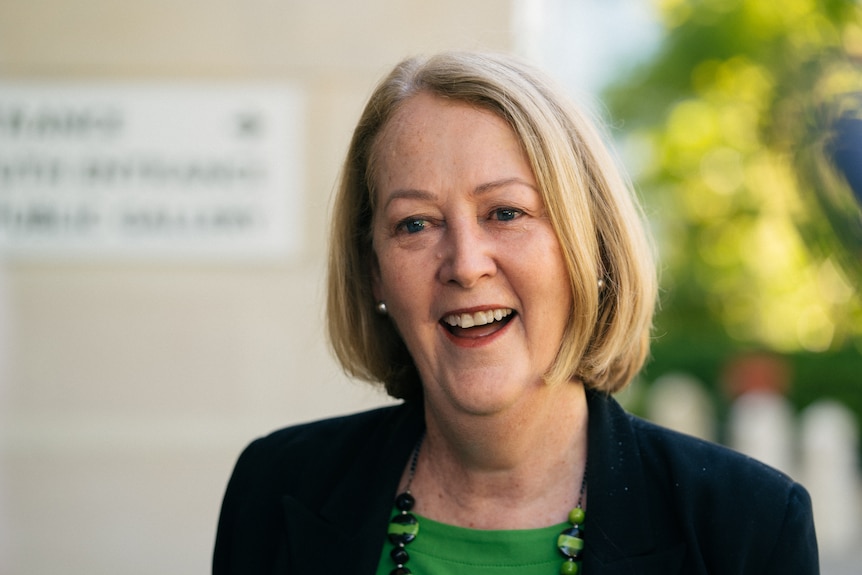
412, 225
505, 214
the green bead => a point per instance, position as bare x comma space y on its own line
403, 528
576, 516
570, 568
570, 543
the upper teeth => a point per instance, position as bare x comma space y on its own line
479, 318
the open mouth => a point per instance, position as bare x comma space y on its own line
478, 324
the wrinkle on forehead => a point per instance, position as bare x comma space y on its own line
405, 134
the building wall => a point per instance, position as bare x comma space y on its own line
128, 388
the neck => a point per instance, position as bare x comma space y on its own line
517, 469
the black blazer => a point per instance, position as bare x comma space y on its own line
317, 497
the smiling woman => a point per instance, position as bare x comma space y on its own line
489, 266
485, 244
584, 197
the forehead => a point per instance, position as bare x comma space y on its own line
430, 130
425, 112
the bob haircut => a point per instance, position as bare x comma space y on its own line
589, 202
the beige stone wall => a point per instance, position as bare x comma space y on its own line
128, 389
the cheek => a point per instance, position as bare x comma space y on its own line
380, 270
400, 279
555, 286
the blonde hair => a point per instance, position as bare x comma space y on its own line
589, 202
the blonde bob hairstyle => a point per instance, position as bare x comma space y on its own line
589, 202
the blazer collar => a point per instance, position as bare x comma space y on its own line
352, 523
621, 531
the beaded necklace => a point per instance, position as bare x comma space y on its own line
404, 527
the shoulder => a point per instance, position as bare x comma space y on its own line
321, 444
673, 460
310, 465
660, 489
699, 462
719, 495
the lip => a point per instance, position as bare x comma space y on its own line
481, 340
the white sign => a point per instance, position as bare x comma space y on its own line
152, 170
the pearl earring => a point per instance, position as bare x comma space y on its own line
601, 284
381, 308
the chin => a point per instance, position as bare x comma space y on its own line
490, 394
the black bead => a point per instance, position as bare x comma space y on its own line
404, 502
399, 555
400, 571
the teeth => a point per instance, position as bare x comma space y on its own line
467, 320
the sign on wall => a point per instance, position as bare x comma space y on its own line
152, 170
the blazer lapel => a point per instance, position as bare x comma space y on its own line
623, 512
351, 524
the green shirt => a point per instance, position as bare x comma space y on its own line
441, 549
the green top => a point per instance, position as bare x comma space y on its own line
441, 549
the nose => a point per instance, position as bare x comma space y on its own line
467, 254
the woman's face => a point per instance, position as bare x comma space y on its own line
466, 260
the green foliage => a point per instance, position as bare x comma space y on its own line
725, 129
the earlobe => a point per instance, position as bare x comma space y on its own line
380, 305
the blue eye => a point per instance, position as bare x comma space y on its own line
413, 225
506, 214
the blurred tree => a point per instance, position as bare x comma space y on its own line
725, 130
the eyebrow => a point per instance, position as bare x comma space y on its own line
484, 188
409, 194
417, 194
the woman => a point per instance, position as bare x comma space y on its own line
489, 266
